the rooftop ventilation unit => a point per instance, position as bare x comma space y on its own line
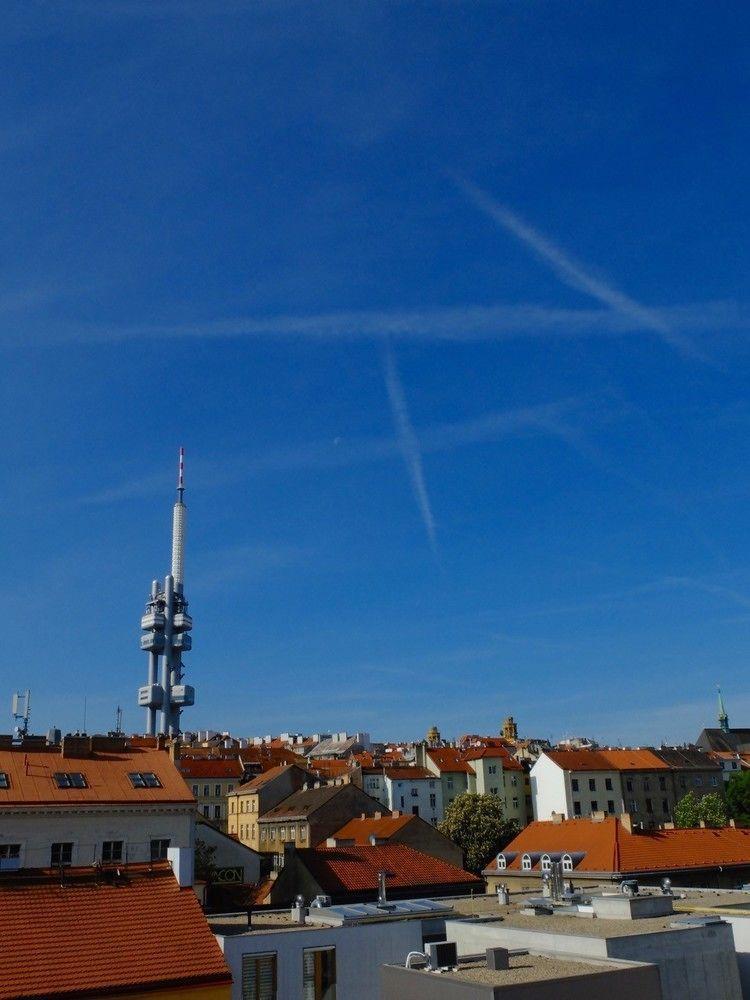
442, 955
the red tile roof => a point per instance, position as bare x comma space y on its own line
494, 753
408, 773
269, 756
106, 775
607, 760
86, 938
355, 869
450, 759
330, 768
609, 847
210, 768
360, 830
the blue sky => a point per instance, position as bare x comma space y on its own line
447, 303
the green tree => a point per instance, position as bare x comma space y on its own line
478, 825
738, 797
690, 811
204, 860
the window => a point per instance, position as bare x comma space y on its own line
231, 806
646, 785
259, 977
4, 780
649, 806
493, 791
415, 810
292, 832
629, 785
432, 784
206, 791
319, 974
683, 782
610, 806
433, 801
714, 780
665, 807
574, 784
492, 769
592, 784
594, 806
159, 850
415, 793
450, 781
230, 788
61, 854
112, 850
633, 806
282, 833
10, 857
567, 863
147, 779
576, 808
402, 802
217, 791
734, 765
195, 791
546, 862
515, 802
526, 863
608, 784
501, 862
303, 833
697, 780
69, 779
217, 812
206, 810
262, 833
662, 783
514, 780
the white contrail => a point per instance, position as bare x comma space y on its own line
408, 443
573, 273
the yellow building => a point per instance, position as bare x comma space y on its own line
250, 801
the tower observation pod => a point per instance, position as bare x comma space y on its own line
166, 627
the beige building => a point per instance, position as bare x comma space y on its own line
248, 802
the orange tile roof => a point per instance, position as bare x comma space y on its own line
494, 753
360, 830
106, 774
408, 773
609, 847
450, 759
87, 938
607, 760
262, 779
355, 869
330, 768
269, 756
210, 768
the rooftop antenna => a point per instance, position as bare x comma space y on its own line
84, 716
21, 708
118, 721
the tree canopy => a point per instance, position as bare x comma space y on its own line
738, 797
478, 825
690, 811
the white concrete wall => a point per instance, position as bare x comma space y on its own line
360, 951
425, 787
374, 785
741, 932
548, 789
230, 853
87, 827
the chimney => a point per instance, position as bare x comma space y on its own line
182, 860
382, 898
627, 822
377, 815
702, 824
557, 817
75, 746
732, 823
396, 813
598, 816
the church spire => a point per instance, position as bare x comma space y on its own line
723, 717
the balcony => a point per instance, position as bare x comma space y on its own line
153, 642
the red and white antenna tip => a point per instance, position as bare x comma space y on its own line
181, 471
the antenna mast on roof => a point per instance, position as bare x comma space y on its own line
21, 709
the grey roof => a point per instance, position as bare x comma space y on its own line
301, 804
335, 748
735, 741
687, 759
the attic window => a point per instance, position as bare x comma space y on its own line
4, 780
526, 863
144, 779
501, 862
69, 779
567, 863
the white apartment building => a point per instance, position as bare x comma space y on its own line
571, 793
414, 790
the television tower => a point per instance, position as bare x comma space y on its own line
166, 635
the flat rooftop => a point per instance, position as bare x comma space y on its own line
523, 969
261, 922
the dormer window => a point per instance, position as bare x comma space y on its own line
526, 863
546, 863
4, 780
567, 863
144, 779
69, 779
501, 864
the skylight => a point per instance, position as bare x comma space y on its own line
4, 780
69, 779
144, 779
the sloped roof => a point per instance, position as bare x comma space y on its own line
609, 847
355, 869
210, 768
360, 830
269, 756
263, 778
330, 767
85, 937
449, 759
607, 760
31, 777
408, 773
495, 753
302, 803
687, 759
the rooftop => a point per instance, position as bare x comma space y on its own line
209, 767
360, 830
301, 804
608, 760
88, 935
525, 969
106, 777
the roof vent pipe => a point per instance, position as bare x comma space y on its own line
382, 898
